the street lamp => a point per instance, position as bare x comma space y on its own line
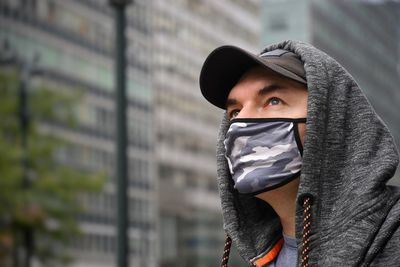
121, 103
122, 3
26, 70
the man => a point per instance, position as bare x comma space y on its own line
325, 206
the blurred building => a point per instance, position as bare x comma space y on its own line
75, 42
185, 32
285, 19
362, 35
175, 217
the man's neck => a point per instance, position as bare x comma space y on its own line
283, 201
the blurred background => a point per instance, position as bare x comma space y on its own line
57, 82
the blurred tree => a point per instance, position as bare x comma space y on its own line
49, 206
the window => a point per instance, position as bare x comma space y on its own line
278, 23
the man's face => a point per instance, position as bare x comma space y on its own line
265, 94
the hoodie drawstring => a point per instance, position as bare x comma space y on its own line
305, 242
227, 250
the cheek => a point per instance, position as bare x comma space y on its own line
302, 132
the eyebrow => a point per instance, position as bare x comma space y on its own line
263, 91
269, 88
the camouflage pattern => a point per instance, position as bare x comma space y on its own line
262, 155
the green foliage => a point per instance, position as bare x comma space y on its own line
50, 204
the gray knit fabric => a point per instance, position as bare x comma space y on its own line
348, 157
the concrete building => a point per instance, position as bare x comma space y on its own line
285, 19
363, 36
175, 217
75, 42
185, 32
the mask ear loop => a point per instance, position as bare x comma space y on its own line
297, 137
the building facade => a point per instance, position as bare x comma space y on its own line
75, 42
363, 36
280, 22
174, 208
367, 46
185, 32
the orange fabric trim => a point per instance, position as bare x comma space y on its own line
271, 255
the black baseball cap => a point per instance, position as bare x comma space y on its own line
225, 65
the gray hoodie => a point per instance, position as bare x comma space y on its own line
349, 155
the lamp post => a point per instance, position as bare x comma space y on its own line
26, 70
122, 171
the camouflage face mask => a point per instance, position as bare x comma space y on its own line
263, 154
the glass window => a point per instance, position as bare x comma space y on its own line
278, 23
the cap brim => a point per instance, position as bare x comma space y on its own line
225, 66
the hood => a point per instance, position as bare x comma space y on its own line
349, 155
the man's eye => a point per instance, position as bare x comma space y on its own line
274, 101
234, 113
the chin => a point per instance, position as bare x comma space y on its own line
266, 195
282, 191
